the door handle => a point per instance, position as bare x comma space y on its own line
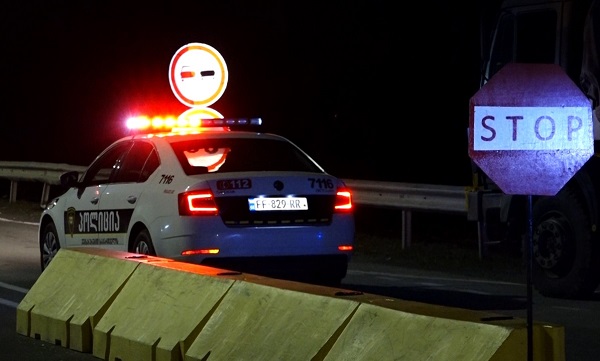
131, 199
94, 200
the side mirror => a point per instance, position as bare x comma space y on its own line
69, 179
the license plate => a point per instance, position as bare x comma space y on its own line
278, 204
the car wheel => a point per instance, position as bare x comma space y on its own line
142, 243
49, 245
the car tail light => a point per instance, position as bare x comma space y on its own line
343, 201
197, 203
194, 252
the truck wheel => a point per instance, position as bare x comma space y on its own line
565, 256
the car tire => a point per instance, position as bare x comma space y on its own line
142, 243
49, 245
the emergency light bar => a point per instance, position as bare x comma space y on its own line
170, 123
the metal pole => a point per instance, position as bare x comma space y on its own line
406, 228
13, 191
529, 279
45, 195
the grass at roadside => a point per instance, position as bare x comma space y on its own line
445, 243
21, 210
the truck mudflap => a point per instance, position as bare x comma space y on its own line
564, 247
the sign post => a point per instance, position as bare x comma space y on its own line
530, 131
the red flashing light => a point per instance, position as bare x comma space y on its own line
186, 124
160, 123
345, 248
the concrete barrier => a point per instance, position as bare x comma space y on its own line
123, 307
160, 308
260, 322
69, 297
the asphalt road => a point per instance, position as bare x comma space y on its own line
19, 270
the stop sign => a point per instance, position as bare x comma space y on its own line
530, 129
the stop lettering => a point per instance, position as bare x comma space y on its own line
529, 128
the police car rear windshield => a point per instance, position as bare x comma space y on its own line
241, 155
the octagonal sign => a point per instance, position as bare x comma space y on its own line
530, 129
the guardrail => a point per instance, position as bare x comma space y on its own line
407, 197
46, 173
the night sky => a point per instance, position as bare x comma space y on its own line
373, 90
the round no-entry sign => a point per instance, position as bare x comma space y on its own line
530, 129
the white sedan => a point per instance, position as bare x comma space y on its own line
218, 196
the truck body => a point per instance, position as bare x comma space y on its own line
561, 231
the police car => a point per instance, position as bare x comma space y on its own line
208, 193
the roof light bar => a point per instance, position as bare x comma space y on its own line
170, 123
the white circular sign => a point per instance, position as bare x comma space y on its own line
198, 75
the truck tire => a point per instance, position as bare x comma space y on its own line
564, 251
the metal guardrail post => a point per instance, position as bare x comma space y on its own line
45, 195
12, 197
406, 228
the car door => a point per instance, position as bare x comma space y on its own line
119, 199
83, 220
